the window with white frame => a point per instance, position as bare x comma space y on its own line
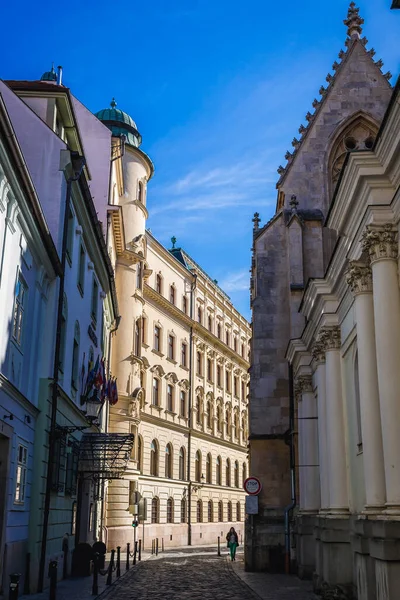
20, 479
19, 308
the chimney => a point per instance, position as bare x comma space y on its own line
59, 75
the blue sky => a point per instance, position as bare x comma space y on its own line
218, 89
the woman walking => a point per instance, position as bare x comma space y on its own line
232, 542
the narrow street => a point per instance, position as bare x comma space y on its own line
202, 577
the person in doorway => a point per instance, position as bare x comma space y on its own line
232, 542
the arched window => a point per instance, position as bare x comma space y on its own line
75, 358
63, 333
236, 473
140, 454
199, 511
155, 510
228, 472
172, 294
244, 472
209, 414
238, 512
197, 466
168, 461
220, 511
159, 283
210, 511
140, 192
209, 468
183, 510
182, 464
218, 468
229, 512
154, 459
170, 510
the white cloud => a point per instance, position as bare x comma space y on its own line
236, 282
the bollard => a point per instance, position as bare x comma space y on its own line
118, 561
140, 551
13, 589
219, 546
110, 568
162, 544
135, 553
95, 585
156, 546
128, 549
53, 579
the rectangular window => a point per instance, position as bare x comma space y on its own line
19, 307
20, 485
227, 338
170, 398
243, 350
171, 347
209, 370
158, 284
184, 355
227, 381
81, 272
157, 338
172, 294
70, 236
95, 300
243, 390
235, 385
199, 370
235, 344
72, 469
183, 404
219, 375
156, 391
184, 305
60, 464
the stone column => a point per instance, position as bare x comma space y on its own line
338, 493
359, 277
310, 498
319, 362
381, 245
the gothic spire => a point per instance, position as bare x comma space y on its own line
353, 22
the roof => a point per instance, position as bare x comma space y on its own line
120, 123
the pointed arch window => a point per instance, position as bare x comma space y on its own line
75, 358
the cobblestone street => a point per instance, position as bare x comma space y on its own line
203, 578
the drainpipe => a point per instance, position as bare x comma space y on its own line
290, 507
190, 404
78, 163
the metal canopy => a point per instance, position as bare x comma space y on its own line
104, 455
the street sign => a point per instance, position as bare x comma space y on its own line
252, 486
251, 505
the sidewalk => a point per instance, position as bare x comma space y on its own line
274, 587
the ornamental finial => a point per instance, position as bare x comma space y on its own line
256, 220
173, 240
353, 22
113, 103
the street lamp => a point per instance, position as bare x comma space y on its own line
197, 487
93, 407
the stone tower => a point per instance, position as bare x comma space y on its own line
289, 250
132, 170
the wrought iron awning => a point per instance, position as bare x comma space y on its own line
104, 455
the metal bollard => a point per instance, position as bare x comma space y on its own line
135, 553
110, 568
13, 589
162, 544
53, 579
128, 549
140, 551
219, 546
156, 546
95, 585
118, 561
153, 546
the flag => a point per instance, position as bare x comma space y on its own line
103, 394
91, 378
113, 395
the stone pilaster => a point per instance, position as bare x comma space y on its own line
359, 278
338, 493
318, 353
381, 245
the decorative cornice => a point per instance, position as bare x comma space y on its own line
330, 338
359, 278
380, 242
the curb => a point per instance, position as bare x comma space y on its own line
240, 580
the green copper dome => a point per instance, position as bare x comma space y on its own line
120, 123
49, 75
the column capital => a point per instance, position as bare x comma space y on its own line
303, 384
318, 353
359, 278
330, 338
380, 242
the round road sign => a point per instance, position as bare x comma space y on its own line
252, 486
